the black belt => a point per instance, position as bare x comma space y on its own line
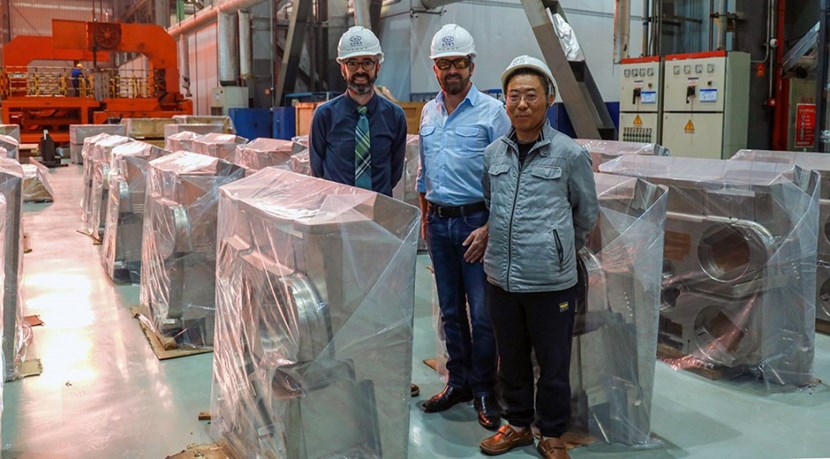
457, 211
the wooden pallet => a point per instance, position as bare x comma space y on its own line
209, 451
708, 370
164, 347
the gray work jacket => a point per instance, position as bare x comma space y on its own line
540, 212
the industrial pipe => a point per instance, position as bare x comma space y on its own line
430, 4
209, 15
228, 51
622, 25
245, 50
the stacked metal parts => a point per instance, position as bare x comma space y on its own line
78, 133
315, 301
225, 121
36, 186
121, 255
16, 334
222, 146
178, 253
739, 264
819, 162
602, 151
263, 152
615, 330
99, 166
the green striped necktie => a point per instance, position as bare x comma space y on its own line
362, 156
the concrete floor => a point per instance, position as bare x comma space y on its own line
103, 393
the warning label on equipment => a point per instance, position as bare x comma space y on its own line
690, 127
638, 121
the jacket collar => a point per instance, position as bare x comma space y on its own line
473, 96
547, 135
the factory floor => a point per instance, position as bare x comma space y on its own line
104, 394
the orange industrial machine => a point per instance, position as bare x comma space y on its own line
40, 98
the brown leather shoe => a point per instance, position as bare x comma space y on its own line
506, 439
553, 448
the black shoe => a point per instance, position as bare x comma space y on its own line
414, 390
447, 398
488, 410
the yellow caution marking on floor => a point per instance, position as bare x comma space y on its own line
690, 127
638, 121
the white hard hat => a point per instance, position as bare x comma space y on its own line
526, 62
358, 41
452, 40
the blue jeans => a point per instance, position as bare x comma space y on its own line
472, 350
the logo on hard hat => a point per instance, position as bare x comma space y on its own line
356, 40
520, 60
448, 41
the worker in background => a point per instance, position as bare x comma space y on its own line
455, 128
540, 191
359, 138
77, 75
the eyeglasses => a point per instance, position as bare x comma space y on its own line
460, 64
354, 65
529, 97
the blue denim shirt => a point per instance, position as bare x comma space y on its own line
452, 147
332, 141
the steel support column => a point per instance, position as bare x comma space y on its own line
293, 48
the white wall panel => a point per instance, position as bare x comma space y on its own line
34, 17
203, 68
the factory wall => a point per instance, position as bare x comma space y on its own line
34, 17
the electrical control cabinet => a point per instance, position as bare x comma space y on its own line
705, 111
640, 99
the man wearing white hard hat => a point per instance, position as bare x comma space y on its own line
539, 188
359, 138
455, 128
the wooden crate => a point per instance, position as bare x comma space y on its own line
413, 115
303, 113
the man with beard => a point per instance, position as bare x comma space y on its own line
455, 128
359, 138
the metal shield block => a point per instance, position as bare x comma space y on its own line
263, 152
823, 292
16, 334
313, 331
824, 230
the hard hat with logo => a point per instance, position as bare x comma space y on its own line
358, 41
452, 40
526, 62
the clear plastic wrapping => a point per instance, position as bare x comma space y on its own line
615, 327
739, 269
11, 145
300, 143
225, 121
178, 252
263, 152
407, 188
603, 151
146, 128
121, 250
12, 130
201, 128
86, 155
36, 186
17, 335
301, 162
99, 192
78, 133
181, 141
819, 162
315, 301
222, 146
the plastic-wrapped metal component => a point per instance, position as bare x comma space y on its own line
225, 121
301, 162
12, 147
178, 252
263, 152
12, 130
36, 186
615, 329
86, 154
182, 141
99, 193
78, 133
603, 151
16, 334
315, 299
819, 162
2, 280
146, 128
739, 269
202, 128
222, 146
300, 143
121, 254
